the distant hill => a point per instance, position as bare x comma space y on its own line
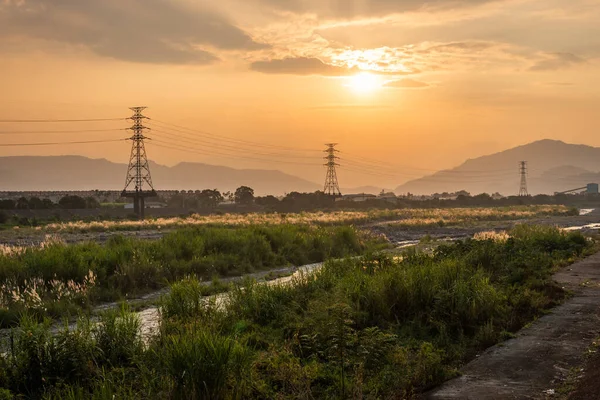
554, 166
82, 173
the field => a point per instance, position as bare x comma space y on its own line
413, 217
372, 322
379, 326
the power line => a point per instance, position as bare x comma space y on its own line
195, 141
380, 163
230, 139
195, 150
71, 131
439, 176
58, 143
61, 120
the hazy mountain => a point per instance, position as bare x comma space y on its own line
81, 173
553, 166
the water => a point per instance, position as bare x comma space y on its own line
150, 317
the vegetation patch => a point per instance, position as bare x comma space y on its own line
409, 217
374, 327
57, 279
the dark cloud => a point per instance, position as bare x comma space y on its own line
556, 61
406, 84
152, 31
355, 8
300, 66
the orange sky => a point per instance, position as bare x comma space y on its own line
450, 79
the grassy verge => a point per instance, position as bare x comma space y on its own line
57, 279
375, 327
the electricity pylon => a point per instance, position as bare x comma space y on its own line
332, 187
138, 183
523, 172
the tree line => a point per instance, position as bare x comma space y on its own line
69, 202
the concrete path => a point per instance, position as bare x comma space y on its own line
534, 363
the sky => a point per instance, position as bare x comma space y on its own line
405, 87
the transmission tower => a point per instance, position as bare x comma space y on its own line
523, 172
331, 182
138, 183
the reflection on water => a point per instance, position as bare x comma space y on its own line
150, 317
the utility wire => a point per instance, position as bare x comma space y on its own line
72, 131
196, 141
195, 150
61, 120
58, 143
233, 140
379, 163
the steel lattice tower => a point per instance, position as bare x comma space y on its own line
523, 172
138, 183
331, 182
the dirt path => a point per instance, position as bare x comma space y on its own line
536, 362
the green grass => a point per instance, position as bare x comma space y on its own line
374, 327
60, 279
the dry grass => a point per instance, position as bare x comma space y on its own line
406, 217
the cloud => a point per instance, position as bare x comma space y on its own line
149, 31
300, 66
315, 66
556, 61
462, 46
358, 8
406, 84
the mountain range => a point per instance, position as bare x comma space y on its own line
553, 166
30, 173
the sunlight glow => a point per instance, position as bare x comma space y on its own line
364, 82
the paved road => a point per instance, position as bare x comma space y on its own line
540, 357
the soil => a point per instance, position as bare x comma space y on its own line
537, 362
588, 385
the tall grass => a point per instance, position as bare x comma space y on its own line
373, 327
59, 278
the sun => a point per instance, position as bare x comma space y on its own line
364, 82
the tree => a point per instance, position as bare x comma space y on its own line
244, 195
72, 202
47, 204
209, 198
7, 204
228, 196
270, 202
91, 202
22, 204
35, 203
